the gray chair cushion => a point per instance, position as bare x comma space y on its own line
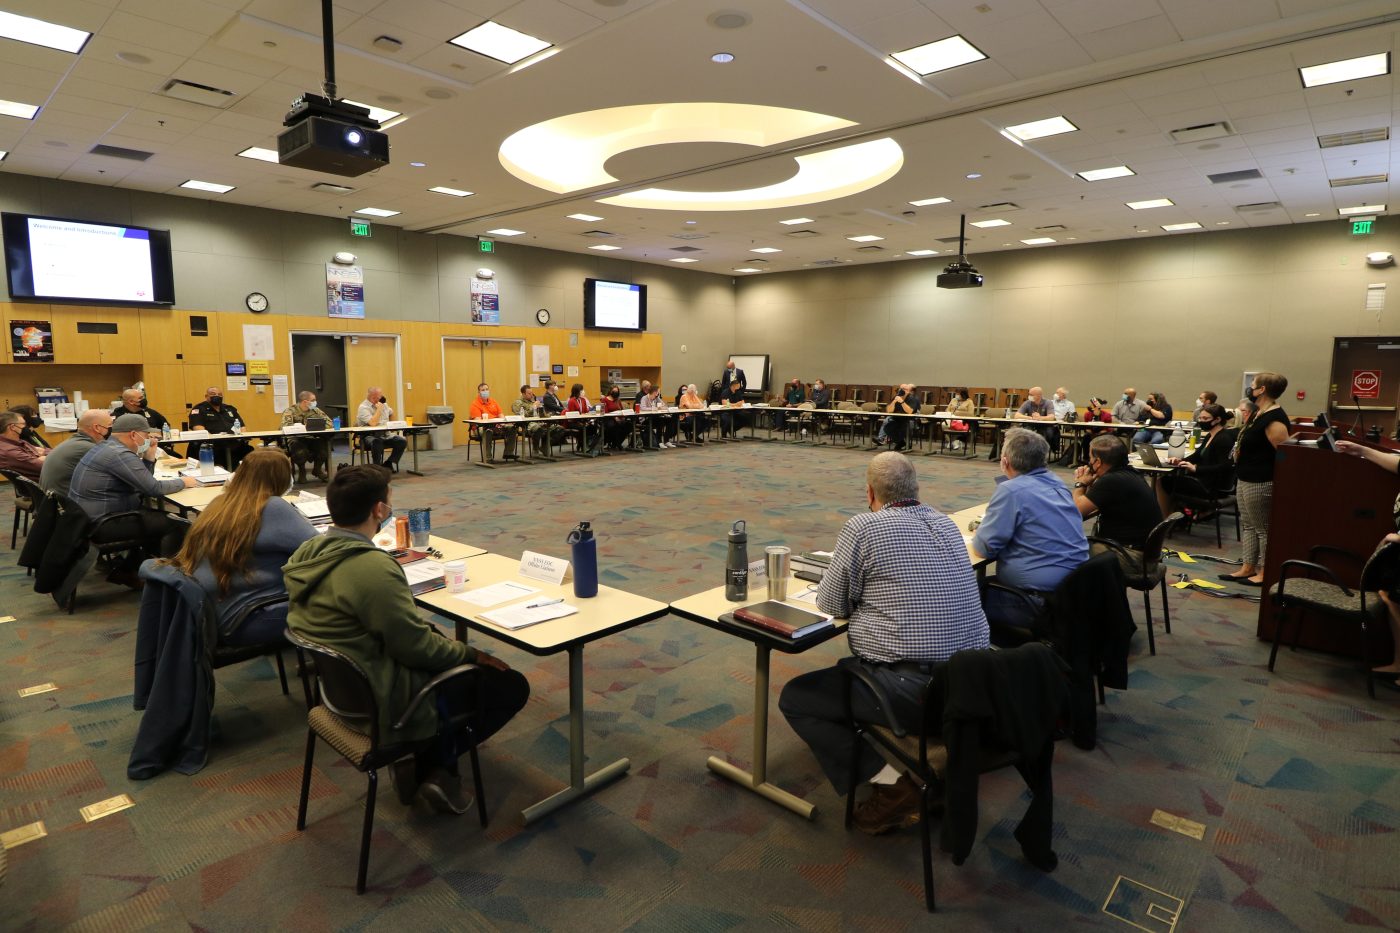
1328, 597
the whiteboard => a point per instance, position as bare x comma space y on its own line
755, 367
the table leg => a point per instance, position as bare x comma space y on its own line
579, 784
757, 781
413, 440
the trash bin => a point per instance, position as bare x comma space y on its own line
441, 417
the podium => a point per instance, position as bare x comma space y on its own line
1322, 497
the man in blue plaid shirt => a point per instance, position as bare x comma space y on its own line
902, 576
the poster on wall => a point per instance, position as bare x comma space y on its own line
345, 291
31, 342
486, 301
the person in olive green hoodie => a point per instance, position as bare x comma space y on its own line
351, 596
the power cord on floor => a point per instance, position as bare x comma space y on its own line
1182, 555
1217, 594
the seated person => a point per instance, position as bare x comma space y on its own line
1114, 491
900, 574
527, 406
695, 423
656, 429
1062, 408
1159, 413
961, 405
731, 396
1037, 407
134, 402
1207, 471
643, 389
304, 449
350, 596
93, 427
1032, 530
114, 476
373, 411
32, 423
484, 406
214, 416
1094, 411
793, 395
16, 453
553, 406
821, 395
1205, 398
1130, 409
237, 548
895, 430
616, 429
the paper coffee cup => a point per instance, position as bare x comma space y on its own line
455, 572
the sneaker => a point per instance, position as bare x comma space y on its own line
443, 792
890, 807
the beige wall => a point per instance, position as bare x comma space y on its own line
1176, 314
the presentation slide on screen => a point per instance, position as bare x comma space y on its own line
616, 304
75, 260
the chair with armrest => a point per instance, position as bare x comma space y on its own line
1149, 570
27, 494
1300, 590
1214, 506
347, 719
982, 710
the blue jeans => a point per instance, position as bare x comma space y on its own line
1149, 436
1007, 610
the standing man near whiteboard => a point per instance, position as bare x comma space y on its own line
731, 374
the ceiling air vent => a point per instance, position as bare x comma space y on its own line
949, 239
598, 234
803, 234
193, 93
326, 187
827, 262
870, 249
1360, 180
1225, 178
1050, 228
685, 249
689, 236
1002, 208
117, 152
1258, 207
1354, 138
1201, 132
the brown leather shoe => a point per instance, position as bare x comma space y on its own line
443, 792
890, 807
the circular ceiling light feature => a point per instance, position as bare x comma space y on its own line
973, 175
438, 93
569, 153
729, 19
722, 58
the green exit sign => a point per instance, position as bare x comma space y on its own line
1363, 227
360, 227
486, 246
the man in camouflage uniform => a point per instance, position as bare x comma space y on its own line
301, 448
528, 406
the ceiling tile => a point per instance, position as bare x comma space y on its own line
1137, 36
197, 15
1194, 19
1085, 16
152, 34
548, 20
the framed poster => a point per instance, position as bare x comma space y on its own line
31, 342
486, 298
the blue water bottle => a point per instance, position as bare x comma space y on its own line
206, 459
585, 560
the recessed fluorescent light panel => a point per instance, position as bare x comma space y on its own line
586, 218
939, 56
38, 32
378, 114
766, 249
684, 259
505, 231
1173, 228
3, 154
1351, 69
11, 108
921, 252
1038, 241
376, 212
991, 223
605, 247
205, 186
328, 188
1362, 209
500, 42
747, 269
1038, 129
864, 238
1145, 205
259, 153
454, 192
928, 202
1103, 174
796, 220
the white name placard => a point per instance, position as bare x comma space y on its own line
538, 566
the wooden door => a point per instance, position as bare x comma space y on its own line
500, 368
462, 372
372, 361
1369, 367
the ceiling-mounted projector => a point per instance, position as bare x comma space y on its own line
331, 136
960, 273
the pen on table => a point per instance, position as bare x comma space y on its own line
547, 602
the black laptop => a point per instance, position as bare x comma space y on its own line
317, 424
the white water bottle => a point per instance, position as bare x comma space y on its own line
1176, 444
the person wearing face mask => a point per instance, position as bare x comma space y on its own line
32, 424
217, 417
695, 423
1256, 449
16, 453
350, 596
615, 429
1112, 490
303, 449
1129, 409
527, 406
237, 548
484, 406
1159, 413
134, 402
1208, 471
114, 476
1205, 398
960, 406
93, 427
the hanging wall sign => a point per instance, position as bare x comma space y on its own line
486, 299
345, 291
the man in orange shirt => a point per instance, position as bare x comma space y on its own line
484, 406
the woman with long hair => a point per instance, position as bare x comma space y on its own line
236, 549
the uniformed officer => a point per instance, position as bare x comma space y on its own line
134, 403
302, 449
216, 417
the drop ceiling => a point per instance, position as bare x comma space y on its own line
1127, 73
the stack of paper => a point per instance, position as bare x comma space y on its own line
517, 617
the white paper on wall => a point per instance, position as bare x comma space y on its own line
257, 342
539, 358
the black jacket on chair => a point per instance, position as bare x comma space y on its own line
57, 546
1000, 701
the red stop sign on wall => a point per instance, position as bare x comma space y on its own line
1366, 383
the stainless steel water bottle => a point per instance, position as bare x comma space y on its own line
736, 566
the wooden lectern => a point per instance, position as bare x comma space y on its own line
1322, 497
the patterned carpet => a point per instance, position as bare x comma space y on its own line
1295, 775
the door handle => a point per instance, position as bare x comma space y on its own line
316, 369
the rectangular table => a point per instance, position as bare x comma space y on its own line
609, 612
329, 435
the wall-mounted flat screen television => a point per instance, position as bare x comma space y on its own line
55, 259
614, 305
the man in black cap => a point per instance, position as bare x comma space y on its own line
216, 417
